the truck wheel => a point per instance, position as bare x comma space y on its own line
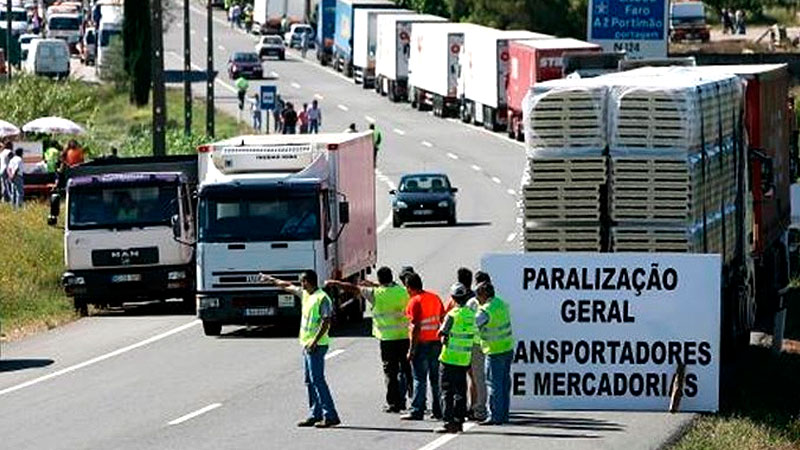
212, 328
81, 306
396, 222
189, 304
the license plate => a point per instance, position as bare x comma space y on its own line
286, 301
126, 278
259, 312
423, 212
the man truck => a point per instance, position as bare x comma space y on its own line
280, 205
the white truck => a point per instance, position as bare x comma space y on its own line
365, 37
394, 48
129, 231
280, 205
108, 32
433, 66
66, 27
484, 75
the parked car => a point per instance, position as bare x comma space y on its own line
424, 197
271, 46
246, 64
48, 57
294, 37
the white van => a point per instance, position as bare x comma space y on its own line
108, 32
48, 57
66, 27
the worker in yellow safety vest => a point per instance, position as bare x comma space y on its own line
457, 335
494, 328
317, 310
390, 327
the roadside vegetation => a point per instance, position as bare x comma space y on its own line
762, 410
31, 298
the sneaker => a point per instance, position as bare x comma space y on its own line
327, 423
308, 422
411, 416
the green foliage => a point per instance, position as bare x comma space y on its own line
753, 7
436, 7
29, 98
137, 49
113, 69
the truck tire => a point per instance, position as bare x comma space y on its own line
451, 221
81, 306
212, 328
396, 222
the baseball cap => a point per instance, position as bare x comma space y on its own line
458, 290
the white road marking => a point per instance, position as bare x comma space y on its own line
319, 97
100, 358
452, 156
427, 144
274, 74
295, 85
334, 353
369, 119
433, 445
342, 107
511, 237
519, 220
400, 132
512, 192
194, 414
221, 48
476, 168
496, 180
205, 39
387, 222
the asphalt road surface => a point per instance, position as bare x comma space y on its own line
146, 377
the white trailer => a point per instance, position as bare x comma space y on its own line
365, 40
280, 205
433, 66
394, 49
483, 82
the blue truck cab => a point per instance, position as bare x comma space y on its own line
326, 27
343, 33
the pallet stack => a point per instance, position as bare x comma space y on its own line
563, 185
672, 178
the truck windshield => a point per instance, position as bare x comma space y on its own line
122, 207
259, 219
64, 23
16, 16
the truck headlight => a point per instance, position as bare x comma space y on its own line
444, 204
70, 280
400, 205
209, 302
176, 275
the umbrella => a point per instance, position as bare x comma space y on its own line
7, 129
52, 125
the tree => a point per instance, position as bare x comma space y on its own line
435, 7
136, 44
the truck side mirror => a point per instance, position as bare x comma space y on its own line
344, 213
393, 192
55, 209
175, 221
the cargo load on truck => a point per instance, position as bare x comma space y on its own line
268, 15
394, 50
533, 61
484, 71
365, 41
668, 159
129, 231
280, 205
343, 36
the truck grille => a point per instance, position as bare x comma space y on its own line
250, 279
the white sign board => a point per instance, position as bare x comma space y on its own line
637, 27
608, 330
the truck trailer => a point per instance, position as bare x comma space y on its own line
343, 34
433, 66
483, 77
326, 28
394, 49
129, 231
365, 41
533, 61
280, 205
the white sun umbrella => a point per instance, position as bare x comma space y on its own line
52, 125
7, 129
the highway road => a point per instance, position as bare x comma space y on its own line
148, 378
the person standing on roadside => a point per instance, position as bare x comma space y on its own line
241, 90
390, 326
377, 140
457, 335
16, 169
277, 114
314, 118
425, 311
5, 157
317, 311
289, 119
304, 39
256, 110
72, 154
302, 118
494, 327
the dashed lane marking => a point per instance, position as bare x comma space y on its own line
295, 85
427, 144
512, 192
194, 414
476, 168
319, 97
369, 119
511, 237
342, 107
496, 180
334, 353
452, 156
399, 131
433, 445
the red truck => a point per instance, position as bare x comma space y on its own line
533, 61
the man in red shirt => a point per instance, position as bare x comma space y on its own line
425, 312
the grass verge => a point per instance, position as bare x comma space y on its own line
763, 410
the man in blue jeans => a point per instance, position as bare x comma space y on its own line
317, 309
494, 324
